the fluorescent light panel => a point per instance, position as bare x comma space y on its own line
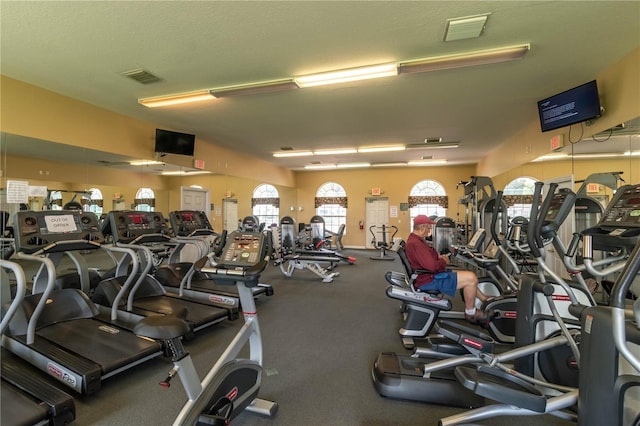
426, 162
176, 99
319, 166
382, 148
433, 146
186, 173
255, 88
482, 57
145, 162
343, 76
396, 164
292, 154
352, 165
337, 151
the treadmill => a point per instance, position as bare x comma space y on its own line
58, 331
182, 279
145, 296
26, 398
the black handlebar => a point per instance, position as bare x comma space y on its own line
626, 278
494, 217
542, 214
535, 204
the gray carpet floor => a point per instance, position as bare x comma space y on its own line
319, 340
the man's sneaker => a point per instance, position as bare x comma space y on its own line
481, 317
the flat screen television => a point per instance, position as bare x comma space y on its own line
169, 142
570, 107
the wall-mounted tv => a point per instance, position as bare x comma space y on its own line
168, 142
570, 107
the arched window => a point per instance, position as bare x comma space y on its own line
429, 198
331, 204
518, 195
95, 201
266, 204
145, 200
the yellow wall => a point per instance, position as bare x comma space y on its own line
395, 183
30, 111
619, 89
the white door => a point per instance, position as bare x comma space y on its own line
230, 214
376, 215
566, 230
195, 199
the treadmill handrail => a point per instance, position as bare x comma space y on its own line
21, 290
51, 279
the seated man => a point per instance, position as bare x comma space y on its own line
423, 256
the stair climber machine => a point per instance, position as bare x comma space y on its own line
233, 383
609, 379
59, 331
386, 233
427, 377
320, 263
544, 381
182, 279
122, 296
26, 398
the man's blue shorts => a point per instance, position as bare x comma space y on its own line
445, 282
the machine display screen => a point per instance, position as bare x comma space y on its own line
139, 219
188, 217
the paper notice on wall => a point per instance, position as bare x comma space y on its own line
17, 191
38, 191
393, 211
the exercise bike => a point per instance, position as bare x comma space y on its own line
232, 384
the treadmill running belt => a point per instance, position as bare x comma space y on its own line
18, 409
108, 346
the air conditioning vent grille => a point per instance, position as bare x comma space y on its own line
141, 76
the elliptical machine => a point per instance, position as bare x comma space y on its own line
232, 384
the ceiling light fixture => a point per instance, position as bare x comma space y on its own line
186, 173
255, 88
381, 148
292, 154
319, 166
343, 76
352, 165
450, 145
426, 162
396, 164
145, 162
178, 98
337, 151
470, 59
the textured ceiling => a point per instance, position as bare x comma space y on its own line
80, 49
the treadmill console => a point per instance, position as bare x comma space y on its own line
186, 223
135, 227
620, 223
56, 230
243, 249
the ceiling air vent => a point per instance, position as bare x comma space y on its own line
141, 76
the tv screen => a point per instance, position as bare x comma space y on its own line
570, 107
169, 142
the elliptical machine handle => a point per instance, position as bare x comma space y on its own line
542, 214
533, 219
494, 217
